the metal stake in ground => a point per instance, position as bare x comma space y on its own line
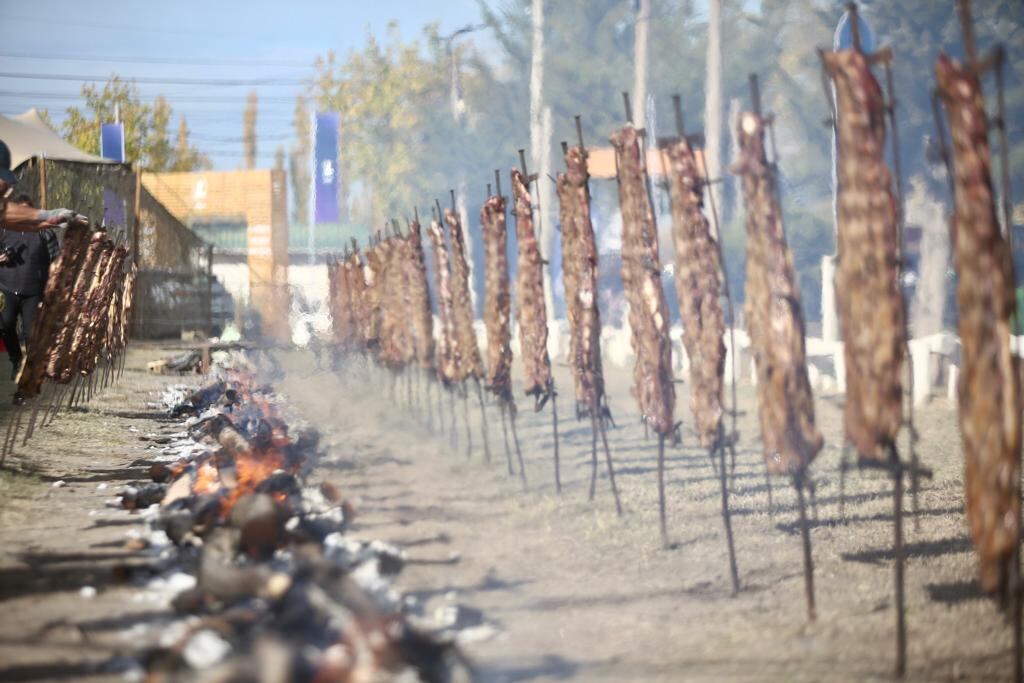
790, 436
805, 535
515, 440
597, 426
550, 389
554, 429
483, 420
898, 563
579, 262
697, 243
503, 408
662, 521
463, 389
726, 516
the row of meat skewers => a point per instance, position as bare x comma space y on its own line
381, 304
82, 324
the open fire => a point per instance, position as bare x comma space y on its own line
281, 591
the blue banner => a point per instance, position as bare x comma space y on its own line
325, 187
112, 147
112, 141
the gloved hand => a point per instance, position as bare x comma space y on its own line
55, 216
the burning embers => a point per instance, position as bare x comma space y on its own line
280, 592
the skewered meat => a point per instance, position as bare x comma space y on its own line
342, 315
52, 316
775, 321
990, 391
698, 288
470, 363
641, 278
96, 319
448, 346
422, 318
127, 306
871, 309
570, 274
80, 336
530, 312
355, 283
579, 272
403, 277
58, 366
497, 298
373, 268
393, 342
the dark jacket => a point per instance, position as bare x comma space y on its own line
32, 253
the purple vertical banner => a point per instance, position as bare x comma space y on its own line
325, 187
112, 147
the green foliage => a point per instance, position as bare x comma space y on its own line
186, 157
145, 127
401, 147
392, 100
298, 163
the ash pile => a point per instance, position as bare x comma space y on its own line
268, 581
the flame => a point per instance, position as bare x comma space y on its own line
207, 479
251, 469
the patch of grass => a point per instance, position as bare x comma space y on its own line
16, 483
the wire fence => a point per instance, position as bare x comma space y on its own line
174, 283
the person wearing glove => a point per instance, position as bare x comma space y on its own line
25, 259
26, 251
19, 217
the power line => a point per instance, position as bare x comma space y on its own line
220, 82
50, 21
24, 94
159, 60
272, 138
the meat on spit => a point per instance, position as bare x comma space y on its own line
990, 389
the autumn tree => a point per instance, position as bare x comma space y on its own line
396, 126
186, 158
146, 138
298, 163
249, 129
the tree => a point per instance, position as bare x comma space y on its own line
298, 163
146, 139
249, 129
161, 151
186, 158
396, 124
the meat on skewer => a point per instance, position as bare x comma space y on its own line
698, 273
641, 278
989, 390
530, 311
497, 299
871, 310
785, 405
470, 365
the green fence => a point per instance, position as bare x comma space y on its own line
173, 286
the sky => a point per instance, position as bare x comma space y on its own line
47, 46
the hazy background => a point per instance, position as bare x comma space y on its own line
390, 69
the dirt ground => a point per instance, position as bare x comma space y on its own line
572, 590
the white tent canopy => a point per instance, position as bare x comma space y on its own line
27, 135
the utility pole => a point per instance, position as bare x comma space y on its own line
713, 103
643, 23
540, 149
458, 105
